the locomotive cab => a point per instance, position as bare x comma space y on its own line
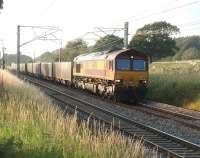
131, 75
122, 74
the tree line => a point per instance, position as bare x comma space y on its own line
156, 39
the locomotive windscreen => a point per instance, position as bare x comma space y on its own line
123, 64
138, 65
131, 65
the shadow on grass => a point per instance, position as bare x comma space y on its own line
14, 148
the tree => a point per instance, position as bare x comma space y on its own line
46, 57
1, 4
184, 44
108, 42
12, 58
191, 53
73, 49
156, 39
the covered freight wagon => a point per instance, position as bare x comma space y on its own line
23, 68
47, 70
62, 71
29, 68
37, 69
13, 67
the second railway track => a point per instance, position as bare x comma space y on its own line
186, 119
168, 145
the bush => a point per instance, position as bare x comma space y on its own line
176, 84
179, 90
191, 53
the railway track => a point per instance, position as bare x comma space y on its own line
172, 110
167, 145
184, 118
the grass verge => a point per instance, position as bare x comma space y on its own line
175, 84
31, 126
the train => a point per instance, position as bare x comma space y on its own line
121, 75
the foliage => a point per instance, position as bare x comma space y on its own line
47, 57
32, 126
156, 39
79, 46
108, 42
180, 90
12, 58
190, 53
175, 83
72, 49
191, 45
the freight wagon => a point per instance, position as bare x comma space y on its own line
29, 68
23, 68
36, 69
47, 71
62, 71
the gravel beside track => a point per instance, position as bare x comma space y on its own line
184, 119
190, 114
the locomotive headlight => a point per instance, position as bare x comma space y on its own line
118, 81
143, 81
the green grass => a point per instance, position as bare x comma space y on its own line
176, 84
33, 127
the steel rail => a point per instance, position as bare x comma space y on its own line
166, 143
182, 115
185, 119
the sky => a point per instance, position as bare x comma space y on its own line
77, 17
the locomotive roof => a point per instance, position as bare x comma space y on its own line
110, 55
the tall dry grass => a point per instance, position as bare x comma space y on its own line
32, 126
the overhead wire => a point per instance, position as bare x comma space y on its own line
139, 18
164, 11
110, 44
47, 8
